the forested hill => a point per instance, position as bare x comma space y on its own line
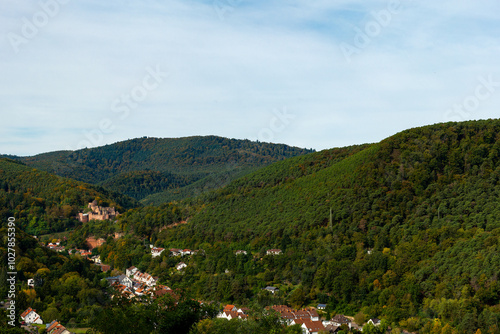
169, 168
65, 287
426, 174
42, 202
414, 231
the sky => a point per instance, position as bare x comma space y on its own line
313, 74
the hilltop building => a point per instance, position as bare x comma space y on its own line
97, 213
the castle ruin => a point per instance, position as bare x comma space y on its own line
97, 213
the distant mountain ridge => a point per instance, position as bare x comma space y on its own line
157, 170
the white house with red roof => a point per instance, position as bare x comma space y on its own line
144, 278
186, 252
273, 252
31, 317
175, 251
156, 251
232, 312
56, 328
309, 326
131, 271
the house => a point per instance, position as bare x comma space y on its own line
243, 310
312, 327
273, 252
282, 308
181, 266
131, 271
232, 312
357, 327
144, 278
309, 326
228, 315
321, 306
31, 317
339, 320
96, 259
175, 251
271, 289
113, 279
230, 308
186, 252
240, 252
374, 321
125, 280
332, 328
156, 251
56, 328
85, 253
302, 314
121, 280
313, 314
61, 330
124, 290
137, 277
161, 290
288, 317
56, 247
140, 291
51, 326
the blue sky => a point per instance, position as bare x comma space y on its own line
315, 74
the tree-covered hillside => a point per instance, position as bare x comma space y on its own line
42, 202
407, 229
66, 288
163, 167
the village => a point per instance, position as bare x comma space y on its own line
309, 318
134, 283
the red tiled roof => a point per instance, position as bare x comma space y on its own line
25, 313
287, 315
54, 325
340, 319
300, 321
59, 330
314, 326
229, 308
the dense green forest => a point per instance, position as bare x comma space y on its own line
163, 167
406, 229
42, 202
